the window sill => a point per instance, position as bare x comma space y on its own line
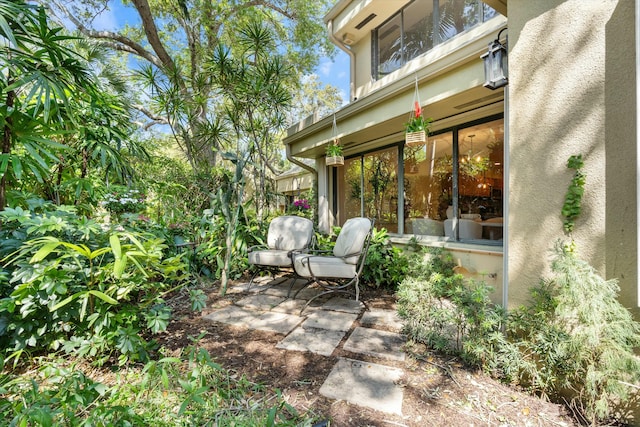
493, 248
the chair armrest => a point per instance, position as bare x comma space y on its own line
257, 247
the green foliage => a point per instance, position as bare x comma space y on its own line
119, 200
448, 313
586, 338
187, 389
385, 265
573, 199
334, 149
213, 246
573, 341
76, 287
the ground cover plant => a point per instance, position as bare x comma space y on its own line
187, 388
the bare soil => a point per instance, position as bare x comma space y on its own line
438, 389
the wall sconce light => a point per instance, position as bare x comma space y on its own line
495, 64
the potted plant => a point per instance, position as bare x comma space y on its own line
417, 128
334, 154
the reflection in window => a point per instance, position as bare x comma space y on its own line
430, 185
368, 185
374, 193
419, 27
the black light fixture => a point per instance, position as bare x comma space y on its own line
495, 64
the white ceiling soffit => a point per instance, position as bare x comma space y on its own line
358, 18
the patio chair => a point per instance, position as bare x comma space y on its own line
286, 234
337, 270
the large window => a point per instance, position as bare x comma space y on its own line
370, 186
419, 27
460, 167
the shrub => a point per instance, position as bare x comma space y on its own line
573, 341
76, 287
188, 389
385, 265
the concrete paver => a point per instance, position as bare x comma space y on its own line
280, 323
260, 301
331, 320
319, 341
233, 315
365, 384
319, 329
344, 304
293, 306
377, 343
383, 318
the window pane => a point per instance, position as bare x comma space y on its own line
457, 16
381, 188
389, 46
418, 24
349, 184
481, 176
427, 185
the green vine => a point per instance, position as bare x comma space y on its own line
573, 199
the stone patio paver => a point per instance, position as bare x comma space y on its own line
293, 306
377, 343
233, 315
319, 341
331, 320
280, 323
365, 384
383, 318
343, 304
260, 301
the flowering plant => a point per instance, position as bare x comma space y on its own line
301, 207
127, 201
418, 122
302, 204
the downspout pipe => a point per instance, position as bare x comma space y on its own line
352, 60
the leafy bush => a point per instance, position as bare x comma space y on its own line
212, 246
573, 341
385, 265
76, 287
190, 389
444, 311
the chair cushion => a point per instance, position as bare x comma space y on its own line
290, 232
351, 238
270, 257
323, 266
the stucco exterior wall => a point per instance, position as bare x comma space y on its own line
571, 91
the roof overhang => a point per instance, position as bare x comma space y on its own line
498, 5
353, 20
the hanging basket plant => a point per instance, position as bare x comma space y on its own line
334, 150
417, 129
418, 126
334, 154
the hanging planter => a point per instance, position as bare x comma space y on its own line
334, 150
417, 128
334, 154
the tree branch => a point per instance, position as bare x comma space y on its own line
151, 31
122, 43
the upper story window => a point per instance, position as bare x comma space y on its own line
420, 26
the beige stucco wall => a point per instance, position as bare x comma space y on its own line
571, 91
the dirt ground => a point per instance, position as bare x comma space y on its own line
438, 390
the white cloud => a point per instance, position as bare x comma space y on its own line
106, 20
325, 68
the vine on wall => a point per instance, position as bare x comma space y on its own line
573, 199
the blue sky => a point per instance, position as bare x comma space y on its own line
330, 71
